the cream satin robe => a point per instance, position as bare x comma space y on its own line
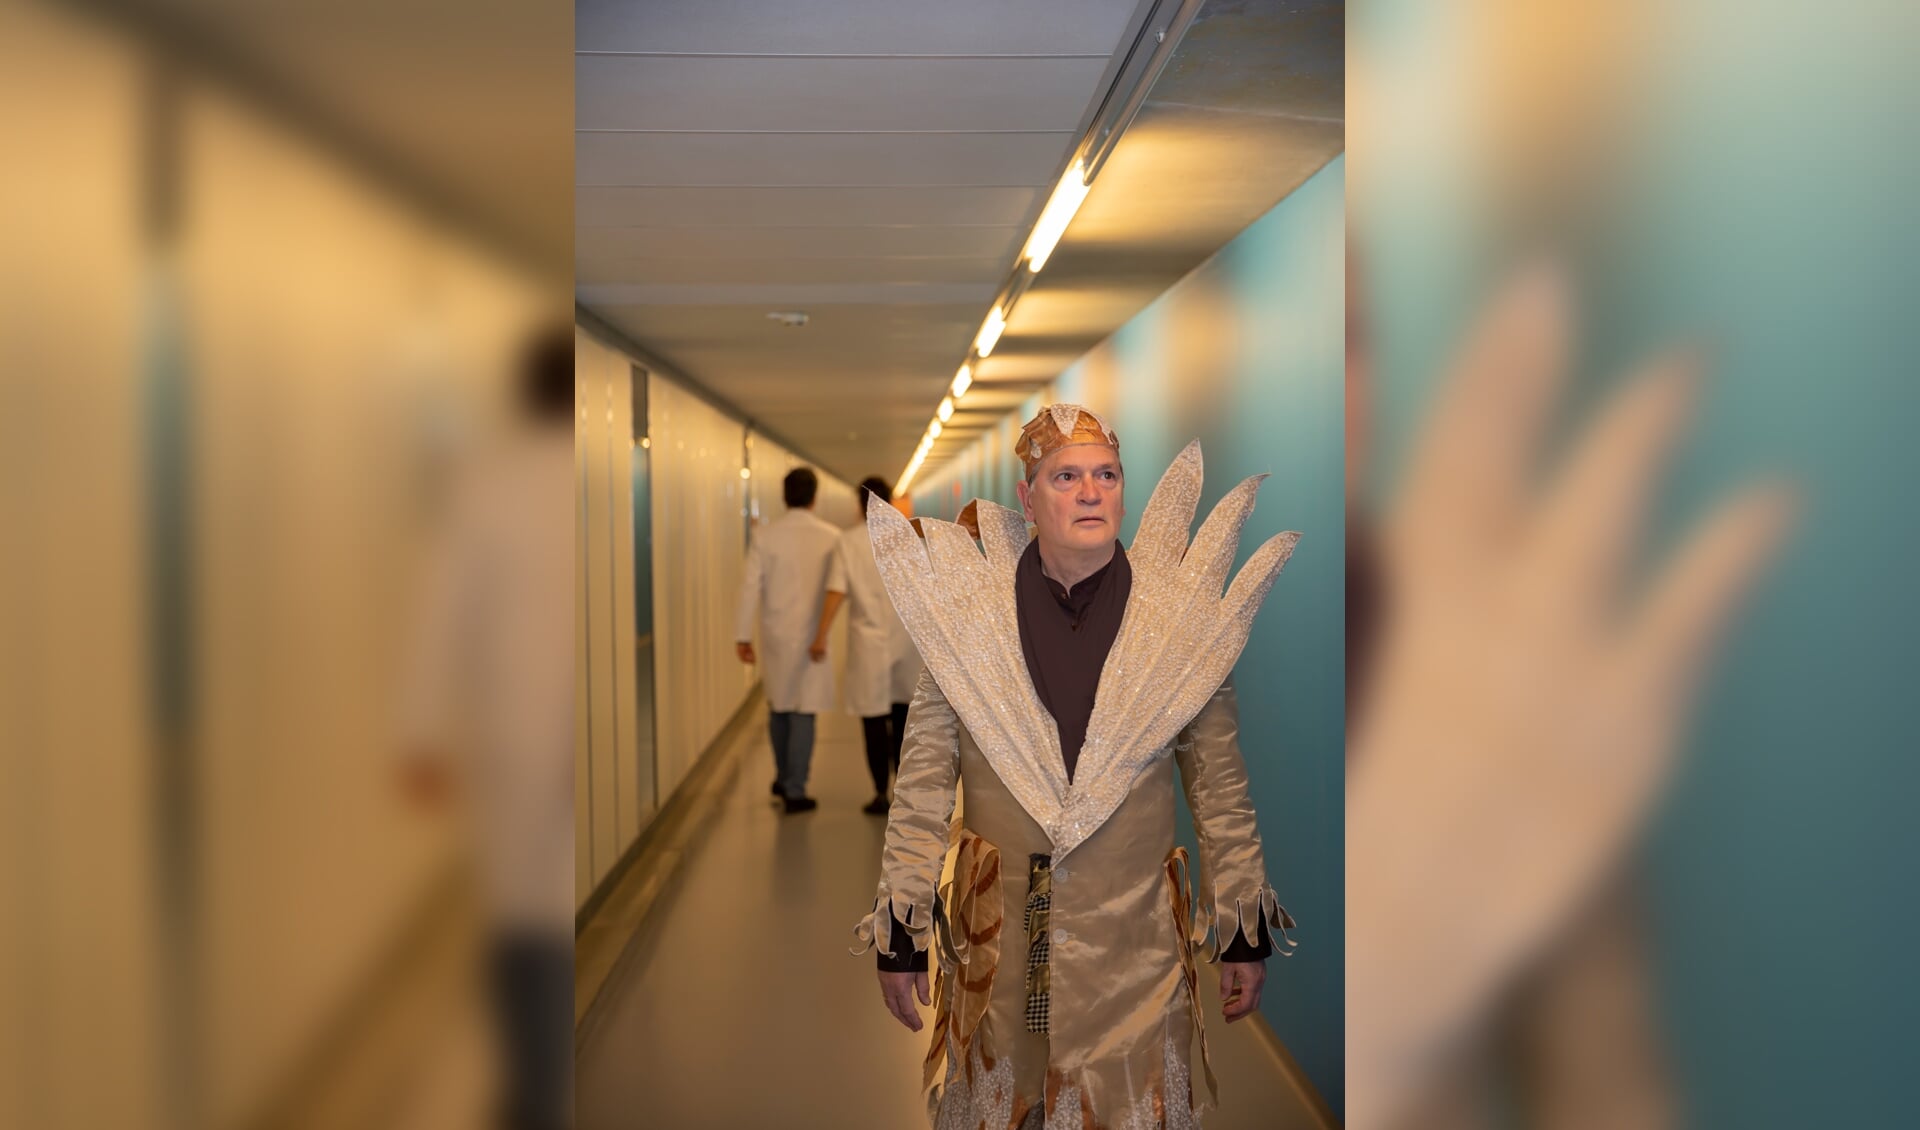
1125, 925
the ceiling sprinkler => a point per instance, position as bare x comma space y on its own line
790, 318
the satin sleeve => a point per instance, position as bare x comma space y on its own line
917, 827
1235, 903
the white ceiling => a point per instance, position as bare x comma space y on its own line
878, 166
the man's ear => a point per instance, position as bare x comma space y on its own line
1026, 508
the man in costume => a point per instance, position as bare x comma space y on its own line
1066, 677
882, 665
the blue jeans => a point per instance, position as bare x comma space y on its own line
792, 734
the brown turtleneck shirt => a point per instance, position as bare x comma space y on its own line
1066, 637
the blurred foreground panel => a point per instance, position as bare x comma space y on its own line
251, 335
1632, 390
79, 988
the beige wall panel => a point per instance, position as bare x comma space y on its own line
583, 876
80, 1035
700, 507
628, 812
346, 357
602, 652
699, 546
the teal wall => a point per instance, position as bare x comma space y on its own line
1776, 868
1247, 355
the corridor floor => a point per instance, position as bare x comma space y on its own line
740, 1006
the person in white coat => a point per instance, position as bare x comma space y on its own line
787, 564
486, 712
882, 664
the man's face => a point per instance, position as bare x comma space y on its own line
1076, 498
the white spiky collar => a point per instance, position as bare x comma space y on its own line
1177, 641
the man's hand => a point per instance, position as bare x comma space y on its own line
818, 651
899, 989
1240, 985
744, 650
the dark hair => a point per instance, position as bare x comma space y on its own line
873, 486
799, 487
546, 374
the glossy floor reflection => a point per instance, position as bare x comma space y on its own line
740, 1006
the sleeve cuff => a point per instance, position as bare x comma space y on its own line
908, 960
884, 929
1242, 951
1226, 922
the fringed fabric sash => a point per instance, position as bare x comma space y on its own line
970, 955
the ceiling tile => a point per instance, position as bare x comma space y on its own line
597, 271
938, 27
852, 328
819, 158
820, 241
797, 295
718, 93
755, 207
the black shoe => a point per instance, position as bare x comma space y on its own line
801, 804
776, 787
878, 806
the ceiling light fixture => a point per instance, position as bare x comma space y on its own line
1153, 46
913, 468
1054, 218
933, 430
990, 331
945, 411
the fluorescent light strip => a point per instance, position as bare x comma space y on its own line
913, 468
990, 331
946, 409
1054, 218
962, 381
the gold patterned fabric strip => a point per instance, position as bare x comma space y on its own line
1180, 897
970, 954
1039, 942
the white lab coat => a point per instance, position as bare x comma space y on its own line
785, 584
882, 663
492, 673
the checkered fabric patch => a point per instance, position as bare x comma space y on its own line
1039, 941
